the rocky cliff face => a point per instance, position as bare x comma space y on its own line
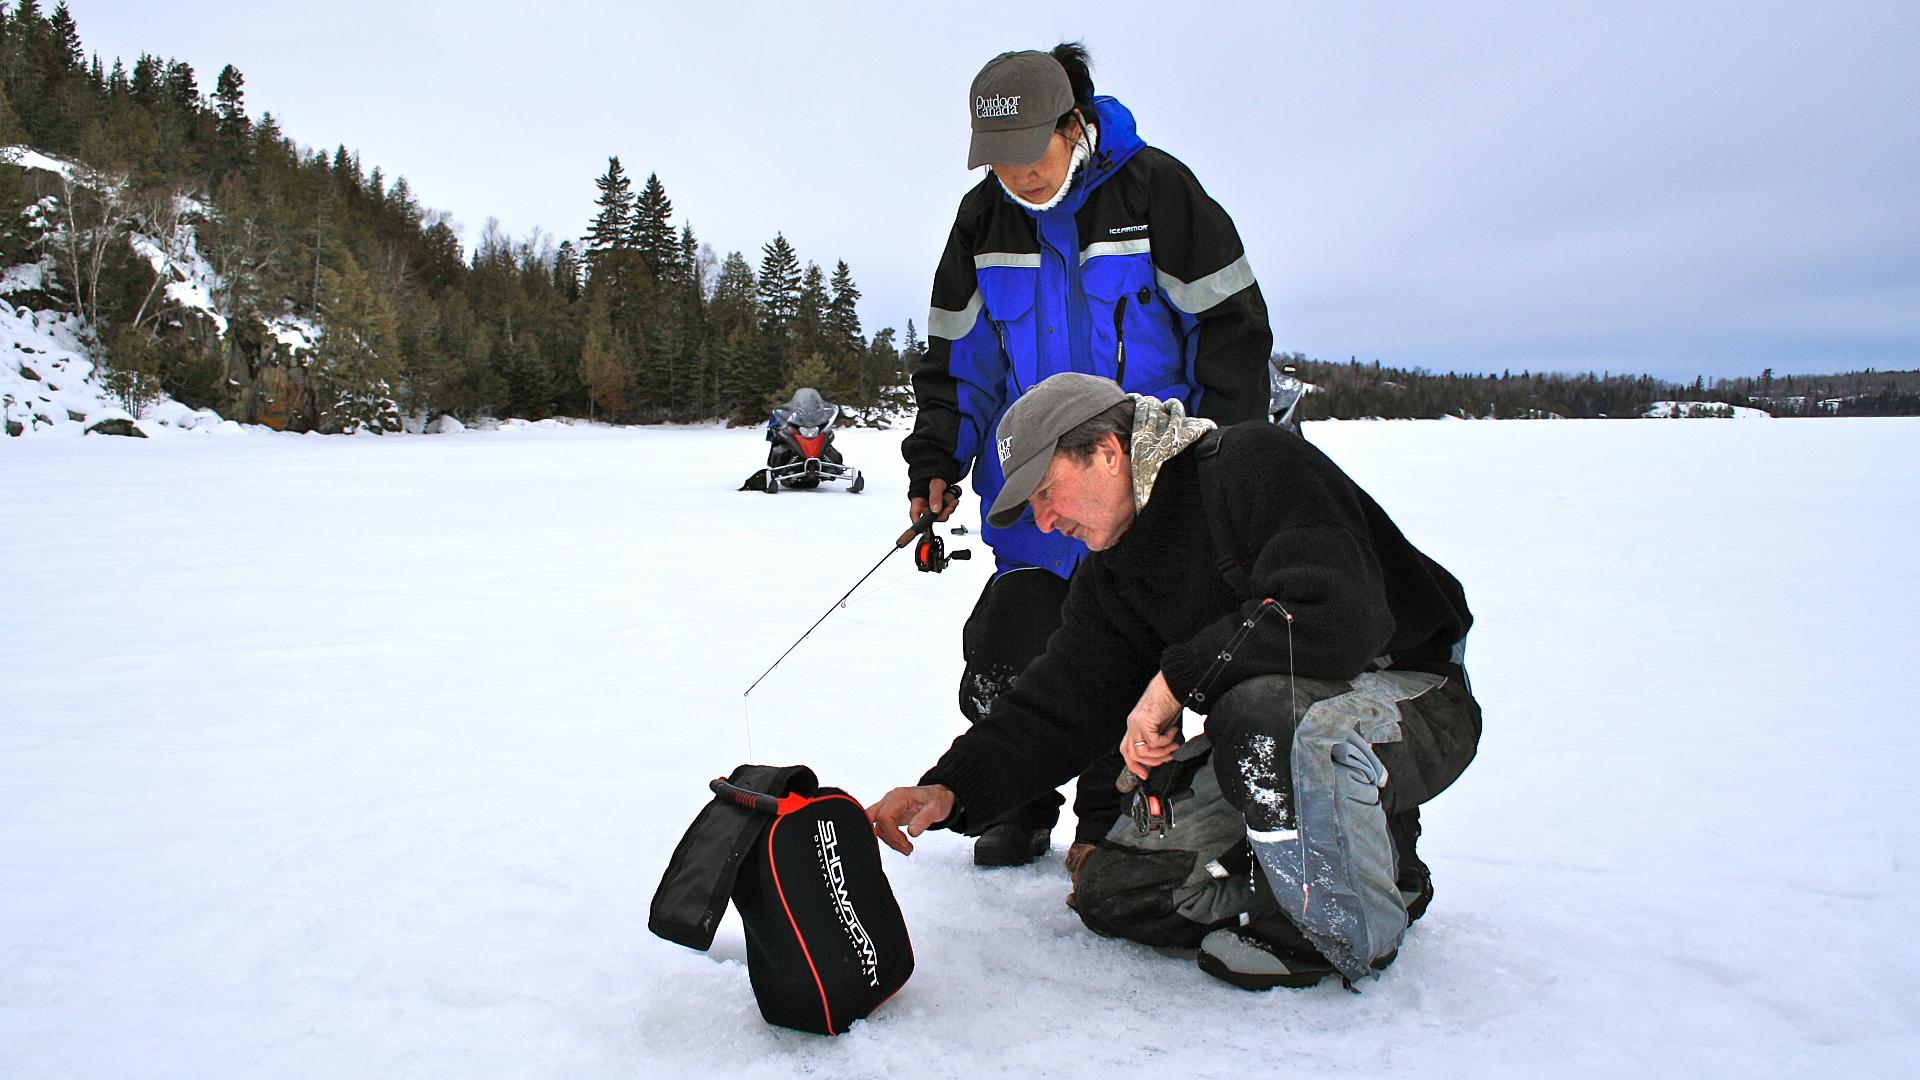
57, 373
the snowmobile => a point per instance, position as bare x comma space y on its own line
802, 455
1284, 393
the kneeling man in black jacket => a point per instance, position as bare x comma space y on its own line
1239, 574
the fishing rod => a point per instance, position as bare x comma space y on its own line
929, 556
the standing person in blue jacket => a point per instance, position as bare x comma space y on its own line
1083, 249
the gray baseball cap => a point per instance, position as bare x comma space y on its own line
1014, 103
1031, 430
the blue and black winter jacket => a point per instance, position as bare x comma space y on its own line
1137, 275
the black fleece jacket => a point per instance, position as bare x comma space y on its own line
1200, 589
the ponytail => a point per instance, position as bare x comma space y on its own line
1072, 56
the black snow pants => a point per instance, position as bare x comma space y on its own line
1008, 628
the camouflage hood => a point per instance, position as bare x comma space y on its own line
1161, 429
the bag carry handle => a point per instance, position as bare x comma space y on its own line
756, 800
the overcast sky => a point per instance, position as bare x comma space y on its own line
1678, 188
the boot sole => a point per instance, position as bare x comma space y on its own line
1217, 968
1213, 966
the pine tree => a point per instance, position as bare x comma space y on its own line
347, 176
779, 288
27, 19
13, 61
810, 314
612, 228
911, 352
64, 40
843, 315
144, 87
735, 294
842, 343
519, 360
689, 280
743, 379
566, 269
657, 339
742, 386
44, 70
266, 134
401, 204
688, 271
357, 361
881, 367
24, 66
183, 88
233, 133
652, 228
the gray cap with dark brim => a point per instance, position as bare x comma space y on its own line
1014, 102
1032, 428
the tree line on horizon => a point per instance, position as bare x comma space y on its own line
1355, 390
636, 321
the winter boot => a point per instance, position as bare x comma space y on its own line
1237, 957
1010, 845
1077, 854
1267, 952
1414, 880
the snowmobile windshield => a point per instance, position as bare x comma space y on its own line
808, 409
1284, 390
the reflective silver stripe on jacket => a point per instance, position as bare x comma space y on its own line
1142, 246
1198, 297
1005, 258
954, 325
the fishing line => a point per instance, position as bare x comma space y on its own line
922, 524
746, 702
746, 718
1293, 694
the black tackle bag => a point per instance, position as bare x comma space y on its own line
826, 943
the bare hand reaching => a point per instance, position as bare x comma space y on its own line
918, 808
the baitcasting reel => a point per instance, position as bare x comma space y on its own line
930, 553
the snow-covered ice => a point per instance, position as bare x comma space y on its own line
343, 757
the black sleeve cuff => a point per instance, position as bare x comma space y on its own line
957, 779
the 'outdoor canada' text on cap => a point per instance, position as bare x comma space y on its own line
1014, 103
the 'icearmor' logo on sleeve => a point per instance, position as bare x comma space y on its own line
984, 107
